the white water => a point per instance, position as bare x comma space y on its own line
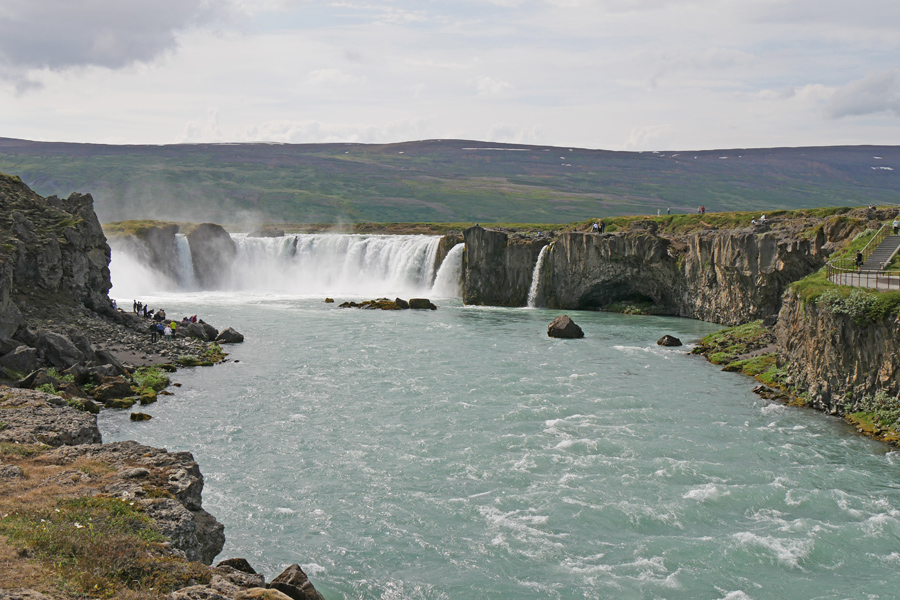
186, 276
447, 282
305, 265
536, 278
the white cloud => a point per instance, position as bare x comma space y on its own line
877, 92
332, 77
60, 34
489, 86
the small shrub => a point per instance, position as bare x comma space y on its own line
59, 376
857, 304
48, 388
153, 378
885, 409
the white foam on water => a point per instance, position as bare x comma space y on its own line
705, 492
787, 552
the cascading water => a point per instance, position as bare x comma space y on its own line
536, 278
186, 277
313, 265
447, 281
329, 264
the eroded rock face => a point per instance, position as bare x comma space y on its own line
193, 530
835, 360
54, 247
212, 252
498, 267
727, 277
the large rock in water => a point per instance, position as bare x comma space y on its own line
294, 583
668, 340
212, 252
564, 327
229, 336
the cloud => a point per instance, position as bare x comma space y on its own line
877, 92
205, 128
315, 132
642, 137
511, 134
489, 86
61, 34
332, 77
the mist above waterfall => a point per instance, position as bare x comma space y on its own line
308, 265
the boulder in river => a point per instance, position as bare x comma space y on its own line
421, 303
294, 583
668, 340
564, 327
229, 336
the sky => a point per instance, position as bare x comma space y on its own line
606, 74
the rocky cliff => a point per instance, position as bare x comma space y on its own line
212, 253
723, 276
834, 359
51, 250
498, 267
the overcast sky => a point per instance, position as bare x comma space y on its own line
611, 74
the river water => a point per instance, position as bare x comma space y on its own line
462, 453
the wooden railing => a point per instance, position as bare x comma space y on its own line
875, 242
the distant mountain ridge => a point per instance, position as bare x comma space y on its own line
444, 180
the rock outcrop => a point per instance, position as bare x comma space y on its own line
51, 251
725, 277
212, 252
834, 359
168, 485
498, 267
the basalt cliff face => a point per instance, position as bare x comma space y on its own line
51, 250
725, 277
498, 267
834, 359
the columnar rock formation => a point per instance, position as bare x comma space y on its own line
835, 360
726, 277
498, 267
212, 252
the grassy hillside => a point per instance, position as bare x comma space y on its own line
444, 180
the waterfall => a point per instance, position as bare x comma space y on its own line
448, 278
331, 264
536, 277
186, 278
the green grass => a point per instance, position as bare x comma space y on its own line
98, 546
724, 346
152, 378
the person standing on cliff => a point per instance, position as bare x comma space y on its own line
896, 226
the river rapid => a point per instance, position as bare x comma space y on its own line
462, 453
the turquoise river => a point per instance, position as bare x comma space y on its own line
463, 454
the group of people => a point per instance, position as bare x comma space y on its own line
761, 221
598, 227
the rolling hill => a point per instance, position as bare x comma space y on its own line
444, 180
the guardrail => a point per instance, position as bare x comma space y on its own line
875, 242
844, 272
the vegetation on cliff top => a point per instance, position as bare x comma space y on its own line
59, 538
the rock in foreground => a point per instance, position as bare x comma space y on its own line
564, 327
668, 340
